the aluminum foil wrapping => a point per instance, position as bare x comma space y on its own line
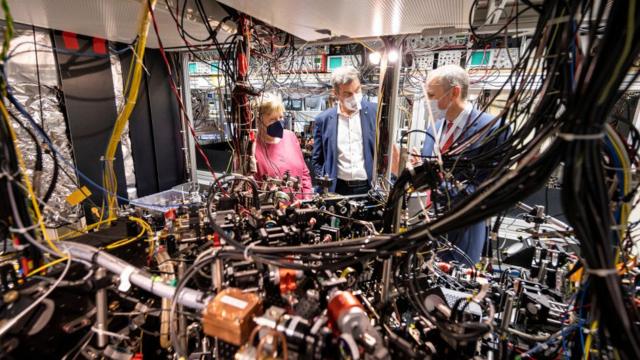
125, 139
26, 69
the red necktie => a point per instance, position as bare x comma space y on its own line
447, 145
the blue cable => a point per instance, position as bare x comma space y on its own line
48, 141
55, 150
583, 295
57, 153
544, 345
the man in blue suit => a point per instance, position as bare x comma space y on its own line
454, 121
344, 137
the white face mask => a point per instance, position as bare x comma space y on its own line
359, 97
351, 103
436, 112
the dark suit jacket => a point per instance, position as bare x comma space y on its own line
325, 141
470, 239
478, 120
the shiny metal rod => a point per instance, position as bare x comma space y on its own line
101, 311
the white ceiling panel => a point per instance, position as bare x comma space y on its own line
114, 20
356, 18
117, 20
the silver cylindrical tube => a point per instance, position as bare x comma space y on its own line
506, 314
101, 311
387, 269
188, 297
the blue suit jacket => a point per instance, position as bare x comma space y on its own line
476, 121
470, 239
325, 141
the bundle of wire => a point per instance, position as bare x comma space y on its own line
564, 121
132, 89
275, 61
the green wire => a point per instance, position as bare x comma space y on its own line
8, 30
8, 34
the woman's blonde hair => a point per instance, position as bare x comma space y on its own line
267, 103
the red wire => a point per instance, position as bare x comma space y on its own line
236, 140
486, 68
174, 89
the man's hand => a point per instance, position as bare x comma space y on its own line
395, 159
415, 157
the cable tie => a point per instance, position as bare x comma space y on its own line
601, 272
23, 230
138, 60
125, 279
109, 333
7, 175
574, 137
95, 256
247, 257
21, 246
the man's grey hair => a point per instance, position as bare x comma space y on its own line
452, 75
344, 75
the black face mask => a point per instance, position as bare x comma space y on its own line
276, 129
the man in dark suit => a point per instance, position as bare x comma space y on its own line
344, 136
453, 120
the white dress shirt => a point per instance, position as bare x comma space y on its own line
350, 147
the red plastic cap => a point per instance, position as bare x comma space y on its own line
170, 215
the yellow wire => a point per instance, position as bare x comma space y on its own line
124, 242
80, 232
101, 213
47, 265
146, 229
145, 225
587, 345
25, 178
626, 183
125, 90
109, 178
